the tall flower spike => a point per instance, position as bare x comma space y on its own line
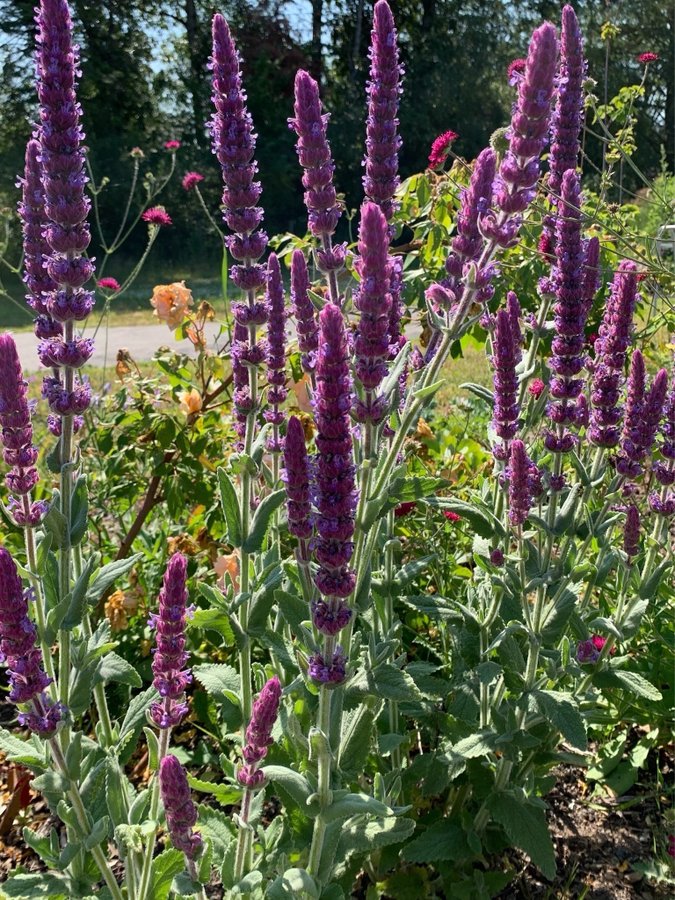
528, 131
610, 356
276, 349
17, 437
591, 278
373, 301
382, 141
170, 655
296, 477
567, 115
259, 733
35, 248
18, 636
504, 360
65, 202
570, 311
336, 496
305, 317
631, 532
520, 482
180, 811
643, 413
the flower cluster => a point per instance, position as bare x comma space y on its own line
157, 217
276, 349
642, 416
631, 532
440, 149
610, 357
305, 317
170, 678
27, 678
589, 651
259, 734
382, 140
296, 477
520, 484
180, 811
504, 360
17, 437
66, 205
373, 301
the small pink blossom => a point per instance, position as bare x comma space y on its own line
136, 153
451, 516
599, 642
441, 148
515, 70
171, 145
648, 57
536, 388
109, 284
157, 215
191, 179
404, 508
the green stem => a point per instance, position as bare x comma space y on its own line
244, 836
146, 872
40, 611
66, 485
324, 762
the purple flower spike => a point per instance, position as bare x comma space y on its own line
276, 349
297, 480
668, 427
631, 532
335, 473
505, 380
610, 357
520, 167
305, 316
643, 413
180, 811
17, 437
170, 655
18, 637
373, 301
330, 617
62, 162
520, 484
567, 115
234, 146
35, 248
328, 671
570, 309
259, 733
591, 277
315, 157
382, 141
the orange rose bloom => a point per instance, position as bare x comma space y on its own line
171, 302
190, 402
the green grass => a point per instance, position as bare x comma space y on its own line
473, 367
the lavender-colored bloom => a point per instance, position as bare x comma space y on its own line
234, 146
610, 356
382, 141
668, 427
259, 733
505, 380
631, 532
276, 348
591, 276
35, 248
296, 477
520, 475
373, 300
62, 163
569, 309
305, 316
330, 616
497, 557
18, 637
335, 472
315, 158
328, 672
180, 811
567, 115
587, 652
17, 436
662, 505
643, 413
515, 312
170, 656
527, 134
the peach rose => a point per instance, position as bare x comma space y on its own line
190, 402
171, 303
227, 565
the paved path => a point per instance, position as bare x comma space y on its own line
142, 341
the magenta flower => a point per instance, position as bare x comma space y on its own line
190, 180
108, 284
516, 70
648, 57
303, 309
440, 148
259, 733
296, 477
180, 811
536, 388
157, 215
276, 349
451, 516
505, 381
171, 145
520, 484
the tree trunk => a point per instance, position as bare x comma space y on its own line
316, 67
195, 77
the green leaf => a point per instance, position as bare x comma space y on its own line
386, 681
98, 833
361, 837
107, 575
28, 752
560, 710
135, 716
213, 620
24, 886
225, 794
261, 520
217, 828
481, 520
293, 783
77, 605
55, 524
410, 571
153, 748
219, 679
444, 840
480, 391
426, 392
415, 488
479, 744
230, 504
649, 587
355, 805
556, 616
165, 867
631, 623
79, 511
356, 740
116, 668
525, 824
292, 884
630, 680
